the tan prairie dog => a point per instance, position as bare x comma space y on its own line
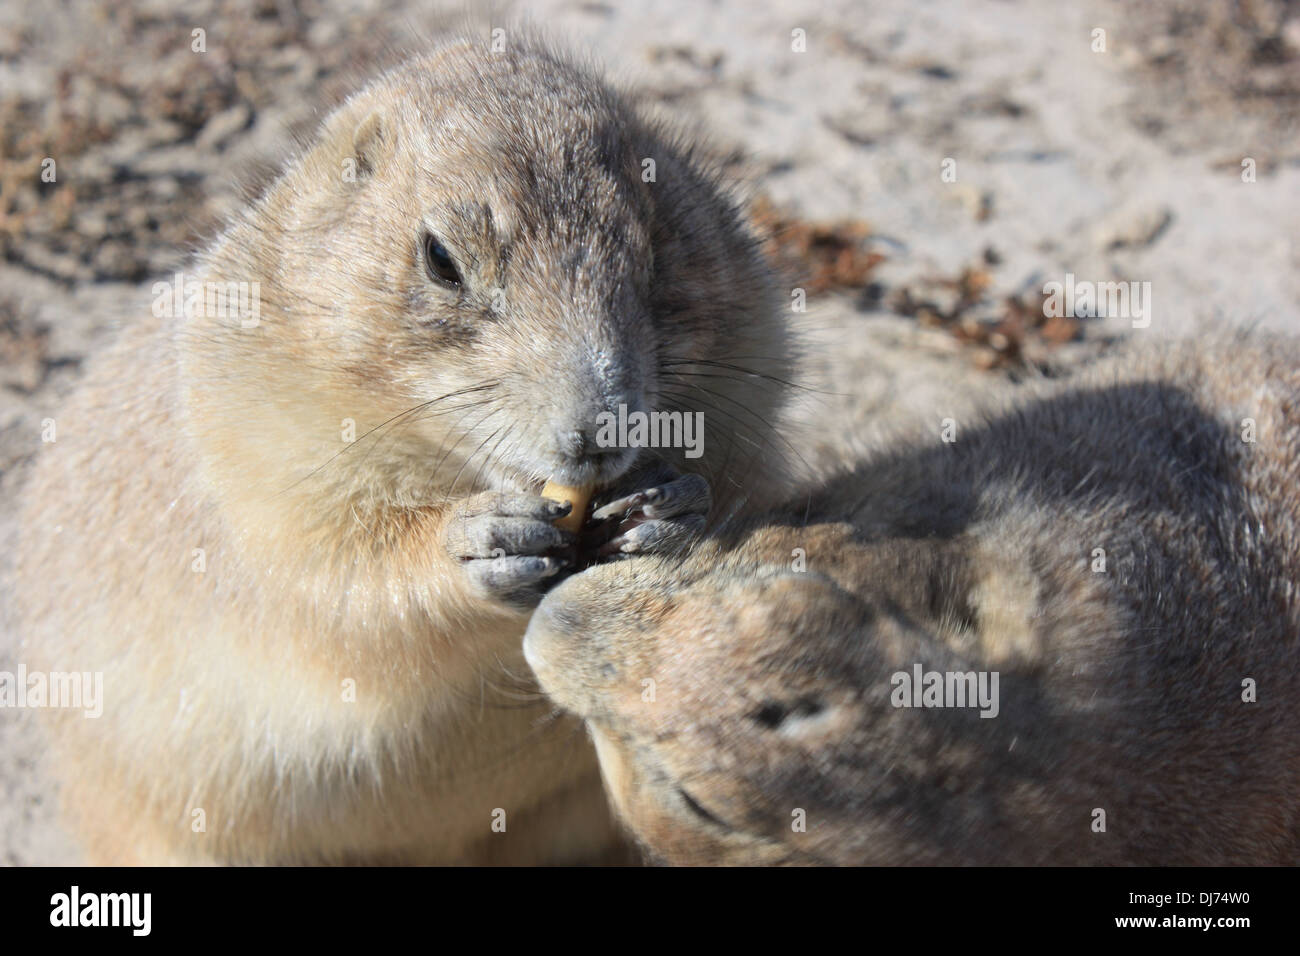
301, 541
1121, 549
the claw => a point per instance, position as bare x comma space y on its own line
612, 546
628, 503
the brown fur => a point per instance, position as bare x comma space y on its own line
325, 561
1119, 689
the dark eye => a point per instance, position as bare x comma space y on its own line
694, 806
442, 268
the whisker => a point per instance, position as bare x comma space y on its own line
351, 445
396, 427
671, 362
739, 430
487, 460
463, 435
451, 491
749, 411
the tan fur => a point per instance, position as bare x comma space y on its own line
1120, 689
325, 561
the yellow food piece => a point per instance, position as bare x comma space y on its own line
578, 497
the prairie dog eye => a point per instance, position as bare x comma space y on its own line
439, 263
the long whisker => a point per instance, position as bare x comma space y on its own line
671, 362
487, 459
396, 428
753, 414
740, 428
674, 371
451, 491
413, 409
463, 435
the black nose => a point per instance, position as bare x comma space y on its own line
575, 443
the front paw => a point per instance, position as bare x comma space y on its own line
507, 546
662, 518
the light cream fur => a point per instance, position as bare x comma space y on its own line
325, 567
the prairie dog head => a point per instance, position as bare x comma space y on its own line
683, 723
745, 712
482, 253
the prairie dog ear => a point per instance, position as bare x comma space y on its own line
372, 143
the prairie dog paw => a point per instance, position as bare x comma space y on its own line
508, 547
661, 518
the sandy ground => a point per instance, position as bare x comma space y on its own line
1117, 164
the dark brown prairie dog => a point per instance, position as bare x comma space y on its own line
301, 545
1122, 549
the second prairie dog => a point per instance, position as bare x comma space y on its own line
302, 549
1122, 548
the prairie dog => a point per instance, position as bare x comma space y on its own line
301, 545
1122, 548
